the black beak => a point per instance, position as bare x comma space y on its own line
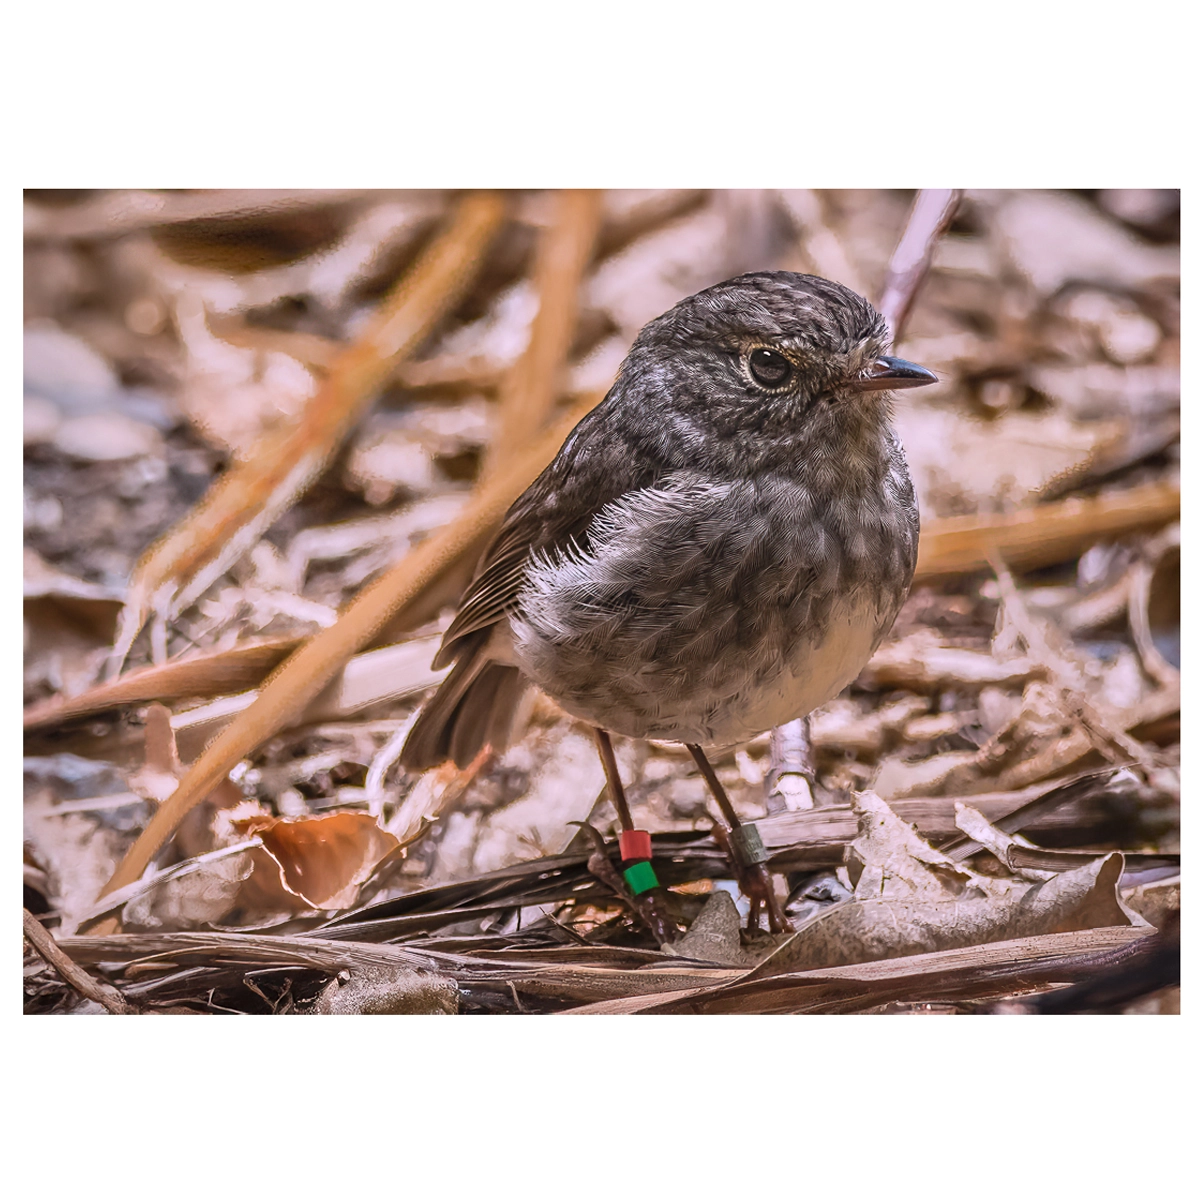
889, 374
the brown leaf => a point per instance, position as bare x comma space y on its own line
325, 859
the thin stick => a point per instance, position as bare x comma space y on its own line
1044, 534
615, 788
714, 786
76, 977
530, 388
931, 214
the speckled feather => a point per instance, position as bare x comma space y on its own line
704, 557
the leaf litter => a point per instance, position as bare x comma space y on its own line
994, 810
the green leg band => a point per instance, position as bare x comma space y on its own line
640, 877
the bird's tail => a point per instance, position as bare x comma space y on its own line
475, 706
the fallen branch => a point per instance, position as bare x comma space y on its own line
1043, 535
75, 977
530, 388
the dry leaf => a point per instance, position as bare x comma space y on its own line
910, 898
323, 860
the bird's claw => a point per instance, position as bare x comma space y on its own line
647, 905
755, 882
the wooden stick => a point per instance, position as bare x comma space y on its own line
931, 214
1042, 535
75, 976
531, 386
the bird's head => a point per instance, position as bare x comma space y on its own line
771, 358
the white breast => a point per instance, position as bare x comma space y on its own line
815, 673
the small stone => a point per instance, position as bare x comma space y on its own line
387, 991
41, 419
65, 368
105, 437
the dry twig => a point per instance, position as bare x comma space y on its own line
530, 388
91, 989
931, 214
1042, 535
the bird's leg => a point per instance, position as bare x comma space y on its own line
744, 847
637, 873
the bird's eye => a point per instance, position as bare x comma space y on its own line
769, 367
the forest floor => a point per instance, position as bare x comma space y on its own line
241, 408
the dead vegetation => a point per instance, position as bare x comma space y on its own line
266, 434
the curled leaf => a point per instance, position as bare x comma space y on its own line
324, 860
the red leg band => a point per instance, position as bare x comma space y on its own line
635, 843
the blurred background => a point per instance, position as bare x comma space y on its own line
169, 336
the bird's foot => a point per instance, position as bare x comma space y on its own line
744, 848
636, 884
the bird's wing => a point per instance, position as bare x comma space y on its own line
590, 471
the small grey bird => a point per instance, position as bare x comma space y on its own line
718, 547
